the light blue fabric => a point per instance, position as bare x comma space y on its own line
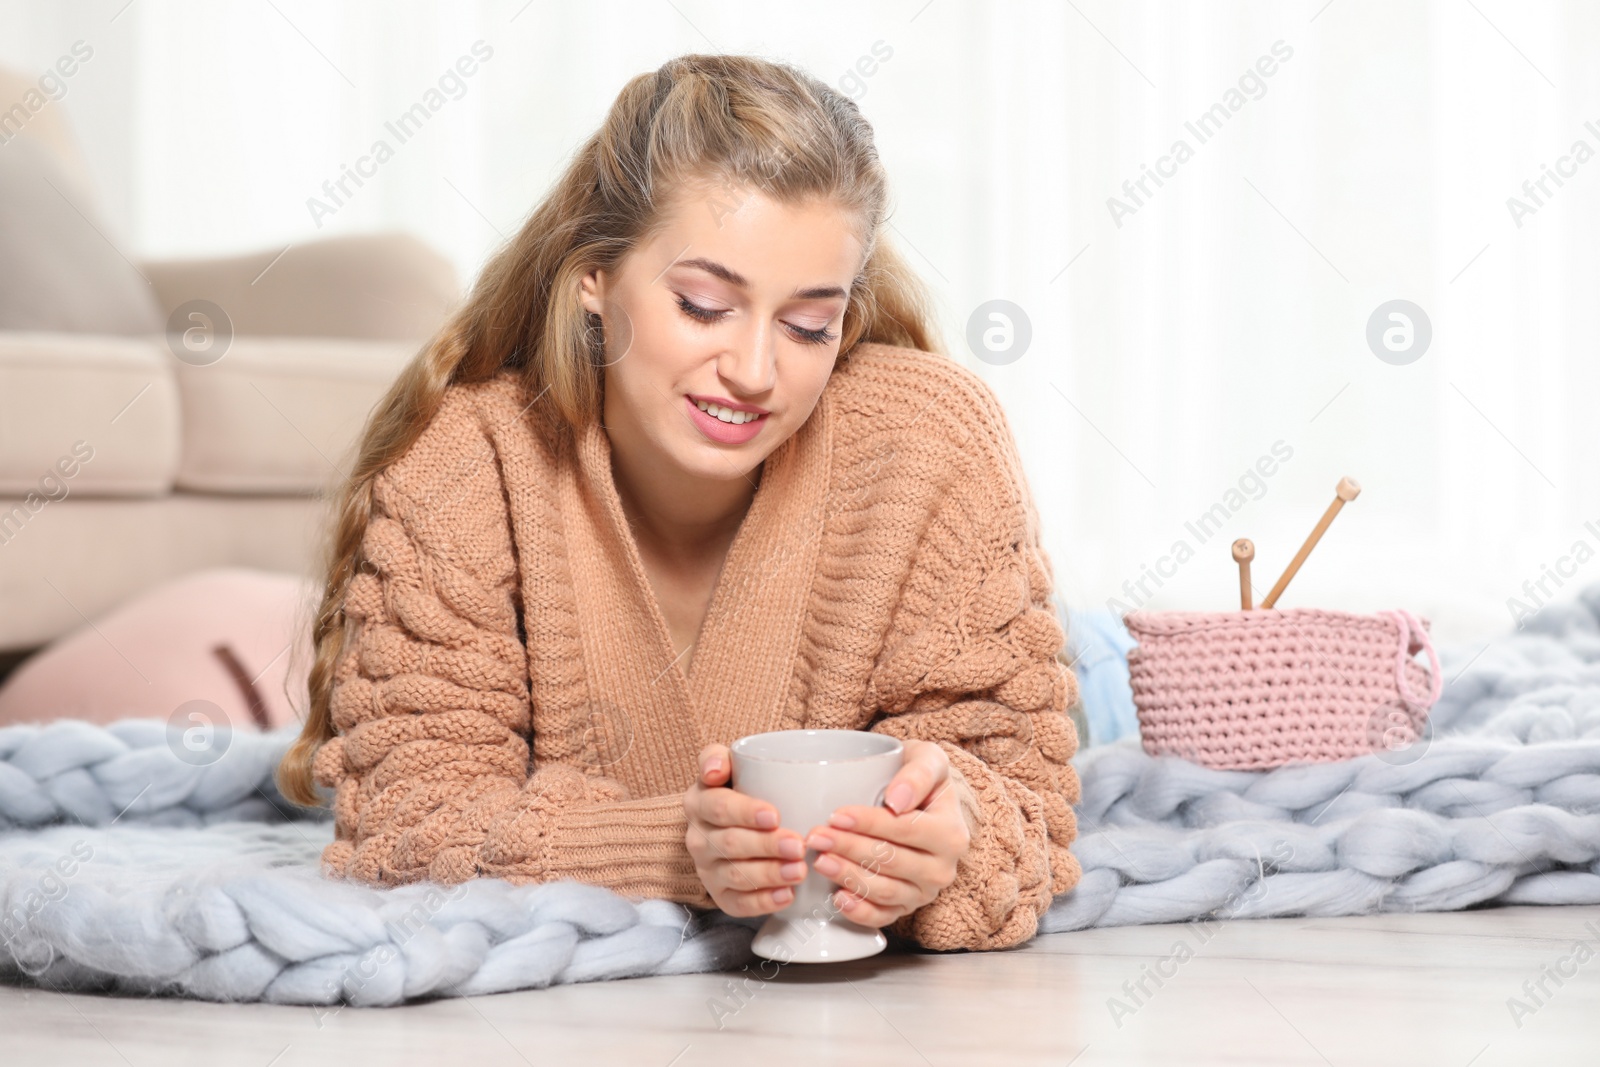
1098, 644
125, 867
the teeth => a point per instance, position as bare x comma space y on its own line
728, 415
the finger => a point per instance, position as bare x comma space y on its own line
925, 767
750, 875
910, 830
741, 843
770, 869
722, 806
709, 847
865, 912
708, 857
760, 902
728, 807
716, 764
877, 887
875, 855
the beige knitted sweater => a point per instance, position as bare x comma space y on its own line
888, 577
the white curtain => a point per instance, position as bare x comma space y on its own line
1177, 338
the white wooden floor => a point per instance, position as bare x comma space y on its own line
1407, 990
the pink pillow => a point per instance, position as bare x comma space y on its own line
228, 637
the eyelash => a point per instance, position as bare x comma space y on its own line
707, 315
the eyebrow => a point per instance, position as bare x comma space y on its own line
734, 278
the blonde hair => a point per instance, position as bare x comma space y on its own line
724, 122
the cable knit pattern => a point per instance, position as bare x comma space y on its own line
888, 576
974, 669
431, 701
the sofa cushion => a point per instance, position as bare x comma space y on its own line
24, 114
59, 269
86, 414
156, 655
381, 286
85, 555
281, 414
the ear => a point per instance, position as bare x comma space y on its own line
591, 290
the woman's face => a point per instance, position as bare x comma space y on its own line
736, 303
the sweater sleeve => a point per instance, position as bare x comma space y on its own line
973, 667
431, 707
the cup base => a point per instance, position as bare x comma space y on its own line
807, 941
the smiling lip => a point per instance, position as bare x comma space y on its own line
725, 433
724, 402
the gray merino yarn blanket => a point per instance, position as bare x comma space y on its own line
126, 868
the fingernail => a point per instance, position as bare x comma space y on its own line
827, 864
842, 821
713, 766
899, 798
844, 901
767, 819
820, 842
792, 872
790, 848
784, 895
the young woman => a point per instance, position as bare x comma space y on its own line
687, 466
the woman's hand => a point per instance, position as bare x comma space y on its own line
889, 862
746, 863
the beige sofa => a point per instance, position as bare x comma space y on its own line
126, 460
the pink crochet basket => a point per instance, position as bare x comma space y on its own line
1250, 690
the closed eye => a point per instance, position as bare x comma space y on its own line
710, 315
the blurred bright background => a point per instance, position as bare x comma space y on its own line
1176, 336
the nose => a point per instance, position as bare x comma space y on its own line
750, 366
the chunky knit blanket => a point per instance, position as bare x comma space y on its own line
125, 868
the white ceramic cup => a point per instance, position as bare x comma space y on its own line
806, 774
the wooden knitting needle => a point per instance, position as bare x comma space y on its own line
1243, 552
1346, 490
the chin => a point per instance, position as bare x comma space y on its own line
721, 462
730, 464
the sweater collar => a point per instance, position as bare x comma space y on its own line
744, 655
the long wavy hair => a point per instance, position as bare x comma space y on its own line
723, 122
